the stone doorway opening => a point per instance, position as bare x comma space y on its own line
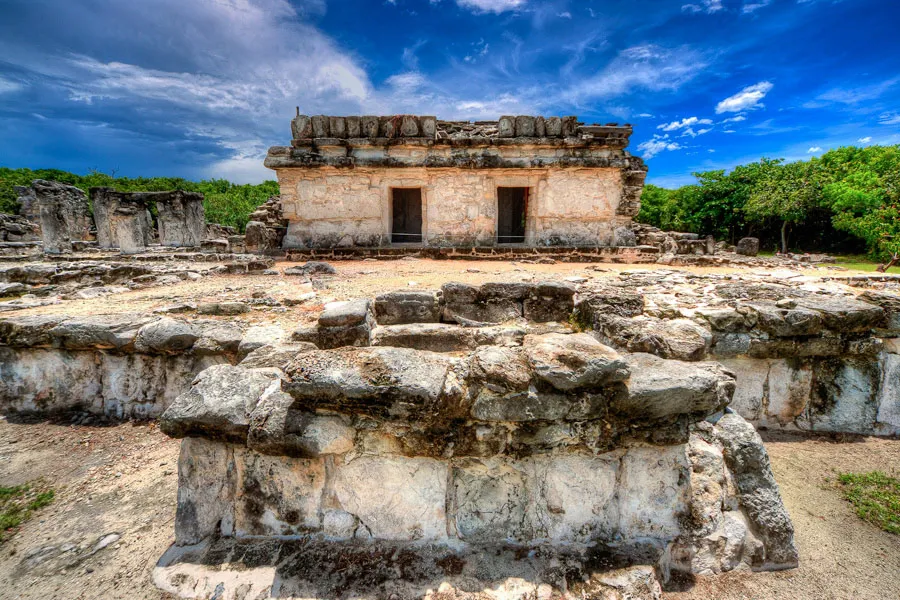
406, 215
512, 205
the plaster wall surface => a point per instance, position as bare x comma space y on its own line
340, 207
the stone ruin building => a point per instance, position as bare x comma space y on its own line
377, 181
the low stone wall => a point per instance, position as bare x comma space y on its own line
123, 366
612, 254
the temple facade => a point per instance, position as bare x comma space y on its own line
402, 180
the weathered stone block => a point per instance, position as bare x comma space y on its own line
429, 126
574, 361
491, 501
540, 127
395, 498
337, 127
219, 404
369, 126
182, 221
320, 126
524, 126
748, 246
394, 308
64, 215
506, 127
301, 127
409, 126
554, 127
550, 301
206, 488
353, 126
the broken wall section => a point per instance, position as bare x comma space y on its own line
65, 215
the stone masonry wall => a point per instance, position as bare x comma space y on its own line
330, 207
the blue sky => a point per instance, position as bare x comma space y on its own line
201, 88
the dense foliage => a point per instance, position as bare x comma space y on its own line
226, 203
846, 200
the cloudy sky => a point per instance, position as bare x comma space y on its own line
201, 88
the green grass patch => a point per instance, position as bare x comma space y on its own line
17, 503
876, 497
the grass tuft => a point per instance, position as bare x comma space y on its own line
17, 503
876, 497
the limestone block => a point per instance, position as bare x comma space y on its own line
888, 398
844, 314
681, 339
337, 127
219, 403
353, 126
524, 126
624, 236
64, 215
650, 493
789, 389
369, 127
394, 308
659, 388
165, 335
574, 498
301, 127
569, 126
409, 126
277, 428
429, 126
320, 127
844, 397
25, 385
182, 221
553, 127
506, 127
574, 361
258, 336
550, 301
490, 501
751, 385
355, 378
277, 354
277, 496
540, 127
748, 246
206, 482
102, 332
760, 499
345, 313
395, 498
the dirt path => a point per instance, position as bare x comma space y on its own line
122, 480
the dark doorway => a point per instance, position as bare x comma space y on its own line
511, 206
406, 216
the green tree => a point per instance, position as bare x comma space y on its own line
786, 192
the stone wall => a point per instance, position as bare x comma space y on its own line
558, 442
64, 214
122, 366
566, 207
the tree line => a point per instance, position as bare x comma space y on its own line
225, 203
847, 200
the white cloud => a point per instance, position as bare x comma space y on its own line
684, 123
707, 6
734, 119
750, 7
748, 98
889, 118
494, 6
659, 143
857, 94
647, 67
565, 15
814, 150
865, 140
7, 86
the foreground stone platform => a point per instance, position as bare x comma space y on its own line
560, 446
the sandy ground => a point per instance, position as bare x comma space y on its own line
122, 480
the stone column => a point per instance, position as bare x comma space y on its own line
65, 215
182, 221
129, 224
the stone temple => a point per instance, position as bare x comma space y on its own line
532, 181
